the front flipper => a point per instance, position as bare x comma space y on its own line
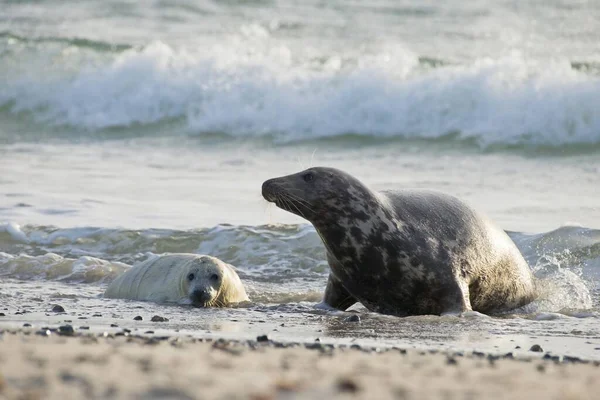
457, 301
336, 295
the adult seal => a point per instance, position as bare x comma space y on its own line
195, 279
405, 252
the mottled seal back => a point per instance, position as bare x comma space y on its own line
405, 252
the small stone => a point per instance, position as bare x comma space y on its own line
518, 347
137, 318
262, 338
149, 332
317, 339
114, 325
2, 314
66, 330
451, 361
536, 348
84, 327
314, 346
58, 309
158, 318
549, 356
27, 325
43, 332
541, 368
347, 385
353, 318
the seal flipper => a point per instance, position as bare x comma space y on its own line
458, 301
336, 295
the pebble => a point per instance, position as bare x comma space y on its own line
66, 330
137, 318
58, 309
158, 318
451, 361
43, 332
114, 325
353, 318
84, 327
314, 346
536, 348
541, 368
27, 325
149, 332
347, 385
549, 356
573, 359
262, 338
2, 314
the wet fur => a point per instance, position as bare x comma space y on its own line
405, 252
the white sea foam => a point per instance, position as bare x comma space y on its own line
258, 86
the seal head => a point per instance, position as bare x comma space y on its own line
209, 282
310, 194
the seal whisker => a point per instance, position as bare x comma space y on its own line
301, 201
312, 157
291, 202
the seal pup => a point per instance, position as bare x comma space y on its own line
405, 252
195, 279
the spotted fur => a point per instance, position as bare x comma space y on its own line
405, 252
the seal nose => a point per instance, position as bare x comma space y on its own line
268, 187
201, 296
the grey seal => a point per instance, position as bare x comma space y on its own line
181, 278
405, 252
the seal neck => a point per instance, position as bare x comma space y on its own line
354, 228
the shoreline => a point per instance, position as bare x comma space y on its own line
60, 362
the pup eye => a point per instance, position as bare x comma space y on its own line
214, 277
308, 177
190, 277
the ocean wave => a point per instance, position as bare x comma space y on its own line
12, 38
282, 262
259, 87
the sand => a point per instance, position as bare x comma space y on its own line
36, 366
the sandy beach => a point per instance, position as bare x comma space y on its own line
45, 364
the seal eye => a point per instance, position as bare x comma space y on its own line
214, 277
308, 177
190, 277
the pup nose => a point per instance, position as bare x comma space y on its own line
200, 296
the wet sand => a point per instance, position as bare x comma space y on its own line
61, 363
